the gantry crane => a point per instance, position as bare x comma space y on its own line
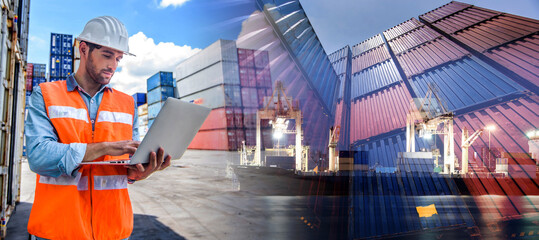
431, 118
467, 141
279, 109
333, 141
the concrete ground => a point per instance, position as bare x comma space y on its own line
198, 197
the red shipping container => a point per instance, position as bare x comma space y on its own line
261, 59
261, 93
29, 84
263, 77
246, 58
29, 70
248, 97
219, 139
219, 118
238, 118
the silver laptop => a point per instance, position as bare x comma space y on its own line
173, 129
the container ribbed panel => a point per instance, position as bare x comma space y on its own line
429, 55
366, 45
521, 57
379, 112
402, 28
373, 78
443, 11
464, 83
496, 32
412, 39
464, 19
370, 58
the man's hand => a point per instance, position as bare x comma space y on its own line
157, 162
96, 150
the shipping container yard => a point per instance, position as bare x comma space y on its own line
426, 130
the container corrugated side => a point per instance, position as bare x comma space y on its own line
379, 112
402, 28
496, 32
370, 58
429, 55
520, 56
444, 11
221, 50
219, 118
160, 93
464, 19
219, 139
217, 74
217, 97
412, 39
464, 83
373, 78
160, 79
341, 53
368, 44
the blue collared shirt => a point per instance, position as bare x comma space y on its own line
48, 157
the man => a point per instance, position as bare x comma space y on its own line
80, 120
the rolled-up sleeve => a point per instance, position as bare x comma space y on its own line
46, 156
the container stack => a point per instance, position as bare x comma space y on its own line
210, 78
142, 109
160, 86
233, 83
39, 75
142, 120
61, 58
255, 82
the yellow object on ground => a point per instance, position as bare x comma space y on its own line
427, 211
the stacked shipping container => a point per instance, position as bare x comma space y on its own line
211, 78
233, 83
160, 87
61, 56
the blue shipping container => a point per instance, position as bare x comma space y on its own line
160, 79
55, 66
154, 109
56, 44
39, 70
160, 94
140, 98
67, 45
67, 66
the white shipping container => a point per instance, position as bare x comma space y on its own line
221, 50
216, 74
216, 97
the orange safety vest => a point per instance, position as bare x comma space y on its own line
95, 203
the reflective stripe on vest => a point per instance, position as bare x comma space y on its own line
115, 117
80, 182
68, 112
110, 182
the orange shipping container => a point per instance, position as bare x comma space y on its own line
219, 139
219, 118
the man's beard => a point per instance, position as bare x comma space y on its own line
94, 73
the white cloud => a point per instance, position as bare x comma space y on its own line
174, 3
150, 59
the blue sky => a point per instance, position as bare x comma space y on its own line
164, 32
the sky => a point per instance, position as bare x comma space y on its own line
165, 32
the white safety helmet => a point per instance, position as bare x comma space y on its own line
106, 31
